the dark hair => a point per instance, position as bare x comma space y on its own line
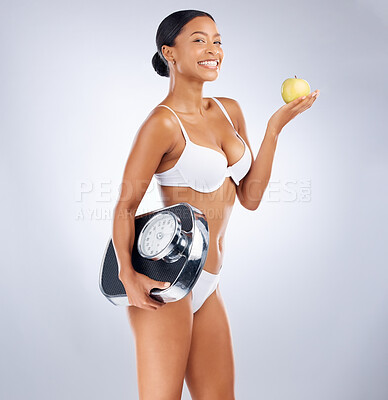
167, 31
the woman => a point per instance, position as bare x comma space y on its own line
199, 152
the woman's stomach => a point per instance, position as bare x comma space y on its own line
216, 206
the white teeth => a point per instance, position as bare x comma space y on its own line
212, 63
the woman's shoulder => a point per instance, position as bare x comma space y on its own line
161, 126
164, 118
232, 107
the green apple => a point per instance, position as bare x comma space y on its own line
292, 88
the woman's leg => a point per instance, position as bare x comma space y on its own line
163, 340
210, 367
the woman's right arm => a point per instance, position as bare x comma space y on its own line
154, 138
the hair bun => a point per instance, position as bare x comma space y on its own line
160, 65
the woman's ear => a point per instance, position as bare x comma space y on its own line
168, 53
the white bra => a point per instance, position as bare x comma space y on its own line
202, 168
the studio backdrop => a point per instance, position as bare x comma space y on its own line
76, 84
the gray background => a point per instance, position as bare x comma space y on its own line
310, 321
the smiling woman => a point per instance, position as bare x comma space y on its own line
198, 151
166, 36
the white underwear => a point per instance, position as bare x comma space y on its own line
203, 288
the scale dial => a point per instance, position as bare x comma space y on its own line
159, 235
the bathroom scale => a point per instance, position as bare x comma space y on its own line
170, 245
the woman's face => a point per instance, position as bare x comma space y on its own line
199, 40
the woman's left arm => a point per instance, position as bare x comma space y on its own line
251, 188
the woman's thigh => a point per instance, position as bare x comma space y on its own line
210, 367
163, 340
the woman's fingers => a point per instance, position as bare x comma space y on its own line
304, 104
312, 95
150, 301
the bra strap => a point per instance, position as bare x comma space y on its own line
224, 111
180, 123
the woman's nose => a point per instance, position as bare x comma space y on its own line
213, 50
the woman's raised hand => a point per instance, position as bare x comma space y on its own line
289, 111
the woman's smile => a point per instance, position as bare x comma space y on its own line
209, 64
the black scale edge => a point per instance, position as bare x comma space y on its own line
110, 281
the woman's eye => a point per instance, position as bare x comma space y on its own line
202, 40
